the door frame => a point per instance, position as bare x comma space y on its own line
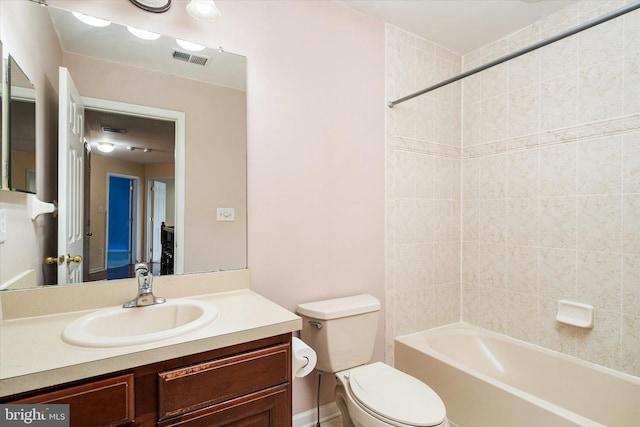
179, 118
135, 224
149, 208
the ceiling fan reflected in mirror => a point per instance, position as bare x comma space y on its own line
156, 6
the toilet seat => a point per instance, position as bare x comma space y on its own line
395, 396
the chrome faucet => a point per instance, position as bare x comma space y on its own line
145, 292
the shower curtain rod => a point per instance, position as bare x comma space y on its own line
604, 18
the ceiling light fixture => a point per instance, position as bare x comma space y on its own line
193, 47
90, 20
204, 10
143, 34
156, 6
105, 147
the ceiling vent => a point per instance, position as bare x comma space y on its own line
189, 57
112, 129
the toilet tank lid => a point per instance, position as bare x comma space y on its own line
339, 307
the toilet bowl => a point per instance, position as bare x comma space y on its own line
377, 395
342, 332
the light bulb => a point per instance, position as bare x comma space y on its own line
205, 10
143, 34
105, 147
193, 47
90, 20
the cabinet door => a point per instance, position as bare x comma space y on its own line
266, 408
107, 402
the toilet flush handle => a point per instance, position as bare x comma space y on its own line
315, 325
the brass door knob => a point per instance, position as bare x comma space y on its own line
55, 260
76, 259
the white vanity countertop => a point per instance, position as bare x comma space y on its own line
33, 355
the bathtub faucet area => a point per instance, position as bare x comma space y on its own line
145, 289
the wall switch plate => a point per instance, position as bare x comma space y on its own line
3, 225
226, 214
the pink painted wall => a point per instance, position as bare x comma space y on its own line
316, 105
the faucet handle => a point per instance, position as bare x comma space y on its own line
141, 268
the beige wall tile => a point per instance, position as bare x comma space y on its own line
559, 102
600, 166
558, 168
522, 174
599, 223
600, 91
492, 271
630, 362
523, 111
558, 273
631, 285
531, 214
522, 270
494, 118
599, 280
558, 222
552, 334
559, 59
631, 224
522, 316
601, 344
631, 83
601, 43
492, 308
631, 163
522, 222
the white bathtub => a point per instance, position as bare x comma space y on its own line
490, 380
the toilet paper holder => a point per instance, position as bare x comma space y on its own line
303, 358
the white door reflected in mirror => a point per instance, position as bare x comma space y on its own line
70, 180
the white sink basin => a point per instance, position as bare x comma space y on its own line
117, 326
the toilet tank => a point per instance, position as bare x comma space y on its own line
342, 331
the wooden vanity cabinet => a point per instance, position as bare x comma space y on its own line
100, 402
242, 385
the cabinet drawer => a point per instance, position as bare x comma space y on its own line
270, 407
203, 384
107, 402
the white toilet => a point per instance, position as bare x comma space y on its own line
342, 332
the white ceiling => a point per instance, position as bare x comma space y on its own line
115, 43
459, 25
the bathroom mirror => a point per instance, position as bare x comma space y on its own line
21, 96
112, 67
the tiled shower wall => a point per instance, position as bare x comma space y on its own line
550, 187
423, 188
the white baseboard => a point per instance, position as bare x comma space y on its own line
310, 418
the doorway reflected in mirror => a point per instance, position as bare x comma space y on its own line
131, 194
